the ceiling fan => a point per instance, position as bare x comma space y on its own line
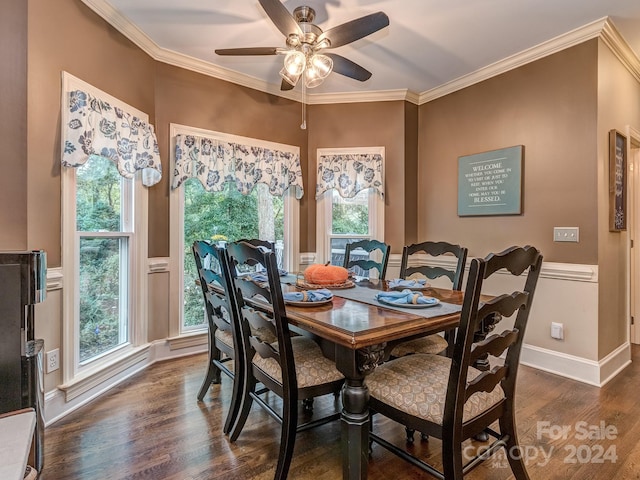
306, 45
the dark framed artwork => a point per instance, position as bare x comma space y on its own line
617, 181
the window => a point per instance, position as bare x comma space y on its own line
223, 216
104, 230
104, 259
342, 220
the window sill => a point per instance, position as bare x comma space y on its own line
194, 339
90, 379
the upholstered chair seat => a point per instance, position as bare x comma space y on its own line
401, 384
433, 344
312, 368
225, 337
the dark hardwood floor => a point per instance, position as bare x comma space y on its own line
152, 427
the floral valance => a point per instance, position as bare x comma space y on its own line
349, 174
94, 127
217, 162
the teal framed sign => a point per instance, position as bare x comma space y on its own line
490, 183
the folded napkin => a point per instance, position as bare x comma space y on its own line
308, 295
414, 283
405, 297
259, 277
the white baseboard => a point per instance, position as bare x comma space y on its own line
592, 372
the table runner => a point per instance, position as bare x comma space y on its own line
367, 295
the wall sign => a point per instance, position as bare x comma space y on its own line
617, 181
490, 183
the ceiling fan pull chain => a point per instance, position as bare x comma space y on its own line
303, 125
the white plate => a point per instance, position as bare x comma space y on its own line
308, 304
410, 305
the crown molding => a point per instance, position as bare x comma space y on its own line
620, 48
532, 54
602, 28
360, 97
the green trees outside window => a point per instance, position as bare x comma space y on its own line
224, 216
100, 199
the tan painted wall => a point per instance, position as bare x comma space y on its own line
411, 177
192, 99
363, 125
618, 107
68, 36
13, 125
548, 106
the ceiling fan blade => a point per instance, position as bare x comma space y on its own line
248, 51
286, 85
346, 67
281, 17
355, 29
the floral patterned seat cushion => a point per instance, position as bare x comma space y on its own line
417, 385
312, 368
430, 344
225, 337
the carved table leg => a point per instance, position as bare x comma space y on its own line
355, 365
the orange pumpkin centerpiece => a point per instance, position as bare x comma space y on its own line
319, 274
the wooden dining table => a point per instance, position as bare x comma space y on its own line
359, 336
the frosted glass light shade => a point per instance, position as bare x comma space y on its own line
311, 77
322, 64
294, 62
292, 79
318, 68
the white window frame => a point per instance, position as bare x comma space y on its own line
324, 204
290, 255
73, 372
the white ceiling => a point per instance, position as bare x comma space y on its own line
429, 43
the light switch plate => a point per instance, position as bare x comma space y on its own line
566, 234
557, 330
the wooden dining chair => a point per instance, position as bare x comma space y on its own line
292, 367
256, 242
367, 264
432, 343
447, 397
224, 340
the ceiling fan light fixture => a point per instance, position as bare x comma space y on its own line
293, 40
294, 62
305, 41
311, 77
288, 77
322, 65
324, 43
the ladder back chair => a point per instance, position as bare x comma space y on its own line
292, 367
447, 397
256, 242
432, 343
367, 264
224, 339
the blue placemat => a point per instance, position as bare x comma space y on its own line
367, 295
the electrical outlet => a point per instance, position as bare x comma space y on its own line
557, 330
53, 360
